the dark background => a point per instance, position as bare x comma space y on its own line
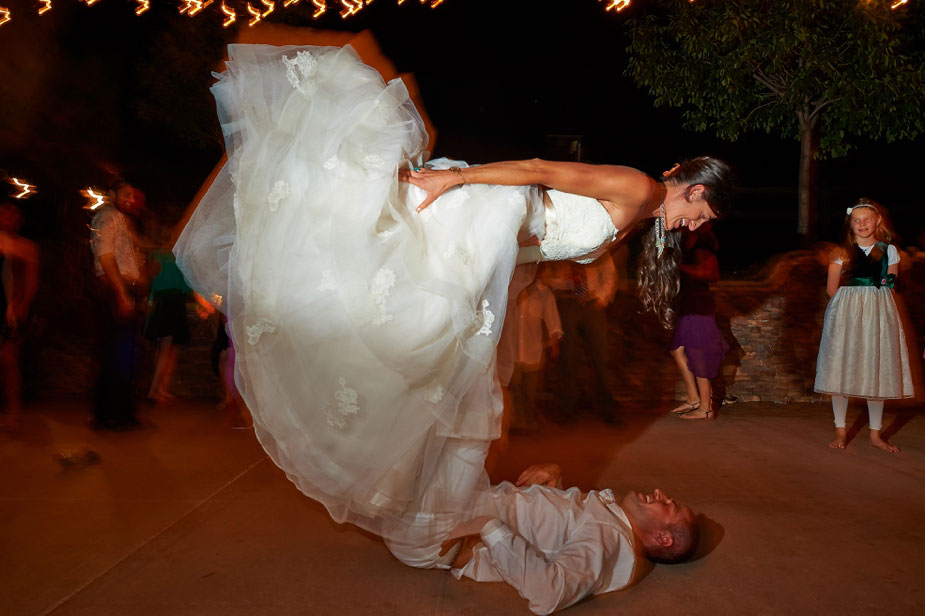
83, 87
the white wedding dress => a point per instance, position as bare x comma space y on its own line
364, 331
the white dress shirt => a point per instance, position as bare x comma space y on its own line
111, 234
554, 546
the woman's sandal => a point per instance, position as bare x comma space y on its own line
687, 407
698, 414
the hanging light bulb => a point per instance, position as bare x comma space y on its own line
616, 5
25, 188
256, 15
98, 200
230, 15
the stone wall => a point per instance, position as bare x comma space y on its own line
773, 322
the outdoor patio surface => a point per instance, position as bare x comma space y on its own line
190, 517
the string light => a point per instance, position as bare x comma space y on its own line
99, 199
199, 6
25, 187
616, 5
350, 8
230, 15
255, 13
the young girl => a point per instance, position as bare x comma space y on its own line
863, 349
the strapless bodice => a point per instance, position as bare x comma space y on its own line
577, 229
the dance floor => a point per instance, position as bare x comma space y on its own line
190, 517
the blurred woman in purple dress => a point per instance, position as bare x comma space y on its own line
697, 346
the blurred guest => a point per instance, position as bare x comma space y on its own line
583, 293
19, 264
166, 325
697, 346
119, 267
236, 414
534, 327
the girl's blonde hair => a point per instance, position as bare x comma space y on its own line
882, 233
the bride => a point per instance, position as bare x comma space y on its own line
365, 289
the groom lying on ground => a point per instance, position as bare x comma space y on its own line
558, 546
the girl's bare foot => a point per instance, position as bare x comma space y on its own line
840, 438
879, 443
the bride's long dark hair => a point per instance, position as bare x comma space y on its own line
658, 277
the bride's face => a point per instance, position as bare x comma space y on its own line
685, 207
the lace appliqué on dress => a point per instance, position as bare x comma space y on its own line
384, 108
327, 281
258, 329
279, 193
456, 252
372, 161
300, 70
436, 394
379, 291
346, 404
455, 198
484, 319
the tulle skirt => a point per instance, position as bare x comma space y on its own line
863, 349
365, 332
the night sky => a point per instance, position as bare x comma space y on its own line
86, 85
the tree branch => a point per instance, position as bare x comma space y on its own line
818, 106
774, 85
757, 108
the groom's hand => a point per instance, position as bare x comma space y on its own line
541, 474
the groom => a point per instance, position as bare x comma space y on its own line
557, 546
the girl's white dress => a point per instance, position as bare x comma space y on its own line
863, 351
365, 331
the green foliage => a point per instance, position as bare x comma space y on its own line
840, 68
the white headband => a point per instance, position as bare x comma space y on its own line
864, 204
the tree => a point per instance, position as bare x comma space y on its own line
822, 71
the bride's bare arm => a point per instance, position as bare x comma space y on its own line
621, 185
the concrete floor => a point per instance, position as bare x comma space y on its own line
189, 517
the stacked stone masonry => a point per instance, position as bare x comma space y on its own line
772, 322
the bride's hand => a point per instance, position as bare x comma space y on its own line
433, 182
